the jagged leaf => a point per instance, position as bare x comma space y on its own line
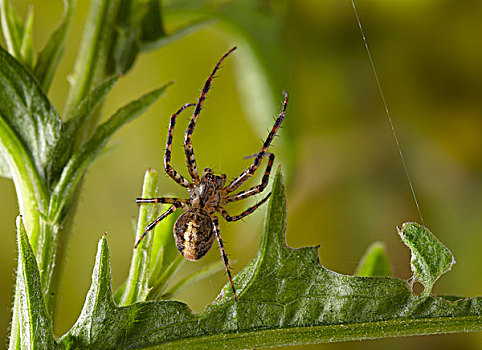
430, 257
285, 297
36, 330
374, 262
50, 56
102, 325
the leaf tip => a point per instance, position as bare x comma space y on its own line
21, 233
374, 262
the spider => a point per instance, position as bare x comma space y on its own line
195, 229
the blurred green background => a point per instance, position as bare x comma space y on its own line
346, 186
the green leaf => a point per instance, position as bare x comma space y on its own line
36, 330
73, 128
152, 27
164, 249
27, 111
140, 27
51, 54
374, 262
125, 50
430, 258
29, 131
285, 297
136, 288
184, 31
75, 168
26, 48
205, 272
160, 284
12, 28
4, 167
138, 21
98, 304
102, 325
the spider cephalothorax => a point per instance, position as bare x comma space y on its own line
196, 228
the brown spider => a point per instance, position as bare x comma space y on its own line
195, 229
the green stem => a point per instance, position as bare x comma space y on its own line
31, 192
137, 281
89, 70
90, 66
332, 333
32, 201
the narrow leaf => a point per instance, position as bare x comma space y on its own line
178, 34
51, 54
430, 258
76, 166
36, 330
26, 48
88, 105
152, 27
12, 28
374, 262
97, 310
73, 128
160, 284
136, 288
164, 249
125, 50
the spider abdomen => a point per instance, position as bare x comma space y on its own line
194, 234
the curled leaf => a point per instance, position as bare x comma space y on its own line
430, 257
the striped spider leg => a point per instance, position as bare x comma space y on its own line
196, 228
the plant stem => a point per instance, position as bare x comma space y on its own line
90, 65
332, 333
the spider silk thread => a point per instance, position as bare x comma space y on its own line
387, 112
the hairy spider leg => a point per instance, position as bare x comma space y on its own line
188, 148
161, 200
217, 231
153, 224
248, 211
167, 156
238, 181
256, 189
